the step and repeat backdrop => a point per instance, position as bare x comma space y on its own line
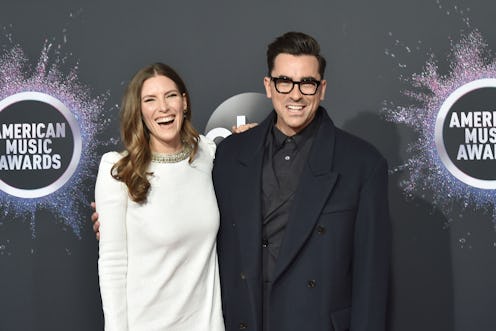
415, 78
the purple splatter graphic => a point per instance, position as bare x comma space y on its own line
47, 76
469, 60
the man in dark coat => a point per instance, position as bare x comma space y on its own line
304, 240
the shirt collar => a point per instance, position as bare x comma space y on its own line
301, 137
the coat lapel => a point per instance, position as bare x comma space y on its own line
316, 184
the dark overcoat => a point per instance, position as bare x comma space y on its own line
333, 265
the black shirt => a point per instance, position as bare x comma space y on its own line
284, 159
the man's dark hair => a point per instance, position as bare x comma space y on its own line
295, 43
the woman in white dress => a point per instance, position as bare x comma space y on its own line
158, 214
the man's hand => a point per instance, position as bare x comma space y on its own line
243, 128
94, 219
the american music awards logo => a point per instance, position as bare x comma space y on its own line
49, 123
453, 159
40, 144
465, 133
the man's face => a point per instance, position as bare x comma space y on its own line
295, 110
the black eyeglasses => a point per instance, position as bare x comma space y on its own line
285, 85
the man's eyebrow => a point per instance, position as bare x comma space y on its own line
309, 78
303, 78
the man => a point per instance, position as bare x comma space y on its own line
304, 240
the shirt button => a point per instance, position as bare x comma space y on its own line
287, 157
311, 283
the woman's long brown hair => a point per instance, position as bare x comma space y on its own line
132, 169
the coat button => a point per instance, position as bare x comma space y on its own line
243, 326
311, 283
321, 230
242, 276
265, 243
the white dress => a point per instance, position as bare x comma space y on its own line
158, 262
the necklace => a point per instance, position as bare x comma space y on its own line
183, 154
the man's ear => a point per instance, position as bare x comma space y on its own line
268, 90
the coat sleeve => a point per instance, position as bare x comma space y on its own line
111, 201
372, 252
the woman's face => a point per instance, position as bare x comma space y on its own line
162, 108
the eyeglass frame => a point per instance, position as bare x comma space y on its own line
314, 81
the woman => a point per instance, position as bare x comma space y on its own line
158, 214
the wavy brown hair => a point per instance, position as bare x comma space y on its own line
132, 169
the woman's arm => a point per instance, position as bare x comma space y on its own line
111, 199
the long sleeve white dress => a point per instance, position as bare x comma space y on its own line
158, 262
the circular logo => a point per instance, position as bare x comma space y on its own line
465, 133
237, 110
40, 144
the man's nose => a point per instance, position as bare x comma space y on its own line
295, 93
